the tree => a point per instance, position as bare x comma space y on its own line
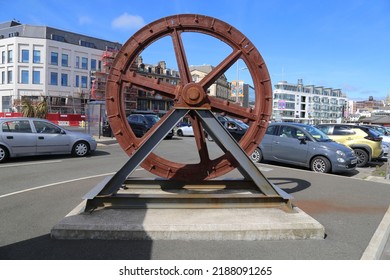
34, 111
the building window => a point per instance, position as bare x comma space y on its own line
9, 76
10, 58
77, 81
36, 77
93, 64
64, 60
24, 78
25, 56
2, 77
77, 62
84, 81
2, 57
84, 63
53, 78
54, 58
58, 38
37, 56
64, 80
86, 44
6, 104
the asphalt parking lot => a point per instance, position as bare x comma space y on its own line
350, 206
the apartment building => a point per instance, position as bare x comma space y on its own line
39, 62
308, 103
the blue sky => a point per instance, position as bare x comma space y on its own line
339, 44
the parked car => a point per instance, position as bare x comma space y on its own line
304, 145
236, 128
384, 135
141, 123
366, 143
31, 137
382, 129
185, 130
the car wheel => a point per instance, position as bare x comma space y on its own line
362, 157
80, 149
208, 137
257, 156
320, 165
179, 132
4, 154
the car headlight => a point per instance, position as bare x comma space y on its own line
340, 153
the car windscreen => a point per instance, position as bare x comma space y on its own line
317, 134
152, 119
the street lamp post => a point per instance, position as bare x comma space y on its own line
238, 82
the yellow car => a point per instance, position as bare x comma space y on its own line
365, 141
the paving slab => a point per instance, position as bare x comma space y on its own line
188, 224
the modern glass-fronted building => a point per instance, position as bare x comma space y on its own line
308, 103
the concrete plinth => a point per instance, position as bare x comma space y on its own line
188, 224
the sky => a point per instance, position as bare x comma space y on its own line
338, 44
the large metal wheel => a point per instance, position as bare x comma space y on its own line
189, 94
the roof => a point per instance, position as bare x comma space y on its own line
377, 120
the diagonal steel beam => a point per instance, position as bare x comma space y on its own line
139, 155
228, 144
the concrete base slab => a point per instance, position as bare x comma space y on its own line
188, 224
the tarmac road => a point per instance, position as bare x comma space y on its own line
350, 209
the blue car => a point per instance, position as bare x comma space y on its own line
304, 145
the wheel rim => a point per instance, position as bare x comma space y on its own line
361, 157
81, 149
319, 166
190, 94
256, 155
2, 154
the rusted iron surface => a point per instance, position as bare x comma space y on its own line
189, 94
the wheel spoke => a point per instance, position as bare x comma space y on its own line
185, 73
220, 69
232, 109
200, 140
149, 84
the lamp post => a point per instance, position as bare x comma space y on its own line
238, 82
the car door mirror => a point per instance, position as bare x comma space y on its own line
302, 139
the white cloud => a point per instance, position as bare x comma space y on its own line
128, 22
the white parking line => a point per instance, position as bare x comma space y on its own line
30, 163
60, 183
375, 248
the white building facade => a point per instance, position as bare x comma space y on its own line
39, 62
308, 103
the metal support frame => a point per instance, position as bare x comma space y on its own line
254, 191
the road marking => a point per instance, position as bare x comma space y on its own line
30, 163
378, 241
265, 169
60, 183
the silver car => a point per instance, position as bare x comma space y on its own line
304, 145
32, 136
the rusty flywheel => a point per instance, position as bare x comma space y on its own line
189, 94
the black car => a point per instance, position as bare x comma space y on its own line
141, 123
235, 127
